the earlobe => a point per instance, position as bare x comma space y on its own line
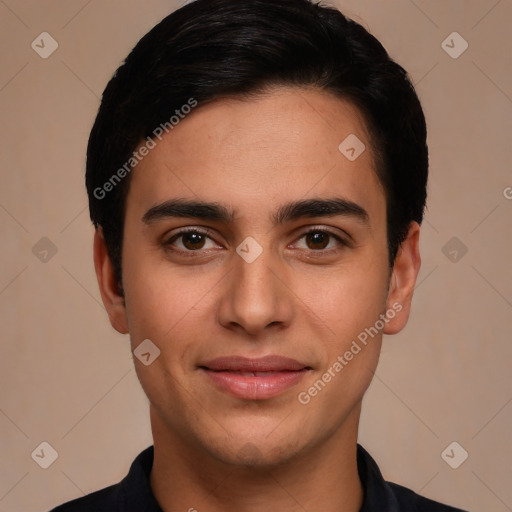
403, 280
111, 295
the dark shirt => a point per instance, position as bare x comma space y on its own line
134, 494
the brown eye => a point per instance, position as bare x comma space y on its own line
321, 241
190, 241
317, 240
193, 240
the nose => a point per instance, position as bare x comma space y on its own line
255, 297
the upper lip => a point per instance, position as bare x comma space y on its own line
272, 363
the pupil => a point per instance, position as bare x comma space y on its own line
319, 238
191, 240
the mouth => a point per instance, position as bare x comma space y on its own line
254, 379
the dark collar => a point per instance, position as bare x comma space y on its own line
377, 493
135, 494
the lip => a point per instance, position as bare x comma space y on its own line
254, 379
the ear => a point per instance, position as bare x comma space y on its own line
403, 280
110, 290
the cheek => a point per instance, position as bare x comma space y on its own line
155, 305
166, 304
152, 300
349, 306
347, 300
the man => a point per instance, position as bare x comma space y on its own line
257, 177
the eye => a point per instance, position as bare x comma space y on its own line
320, 239
190, 240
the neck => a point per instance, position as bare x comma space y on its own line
185, 476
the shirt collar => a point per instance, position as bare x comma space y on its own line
137, 495
378, 495
136, 492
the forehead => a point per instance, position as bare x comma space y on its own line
283, 145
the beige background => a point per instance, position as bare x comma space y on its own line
67, 378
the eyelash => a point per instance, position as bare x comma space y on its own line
191, 253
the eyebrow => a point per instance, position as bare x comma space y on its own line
288, 212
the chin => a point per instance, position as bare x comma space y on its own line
262, 452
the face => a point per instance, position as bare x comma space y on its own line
284, 255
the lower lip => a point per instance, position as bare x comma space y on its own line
255, 387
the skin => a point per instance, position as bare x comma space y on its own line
298, 299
